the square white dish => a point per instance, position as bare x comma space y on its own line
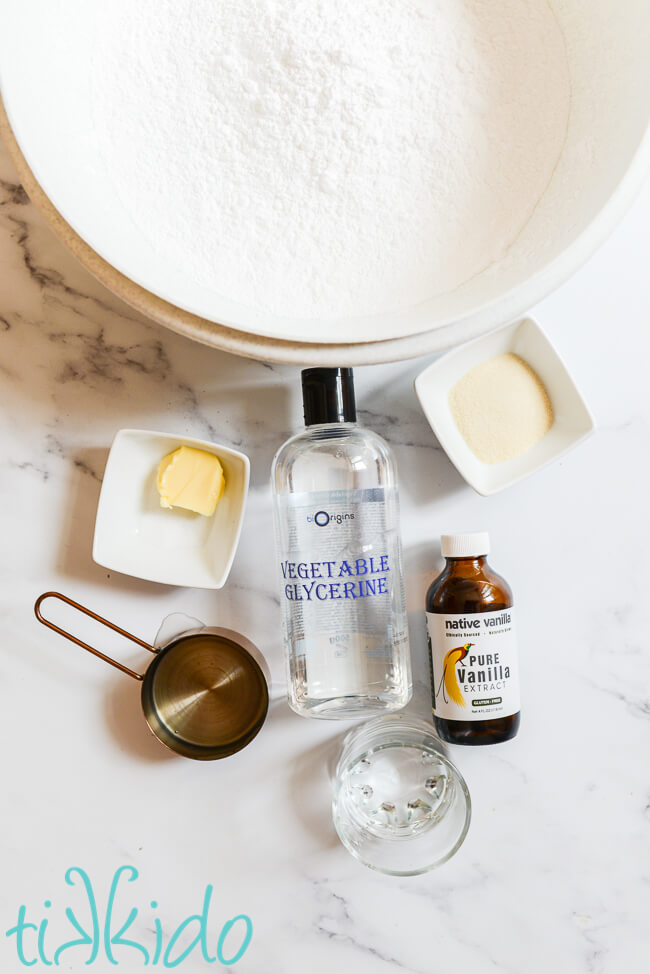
135, 536
572, 423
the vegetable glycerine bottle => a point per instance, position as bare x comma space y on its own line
340, 561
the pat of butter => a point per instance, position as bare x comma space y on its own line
192, 479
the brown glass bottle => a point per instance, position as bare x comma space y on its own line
466, 590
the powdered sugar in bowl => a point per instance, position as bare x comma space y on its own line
351, 174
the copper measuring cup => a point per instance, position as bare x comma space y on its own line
203, 695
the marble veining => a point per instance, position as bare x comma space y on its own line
555, 872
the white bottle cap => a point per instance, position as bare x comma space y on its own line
465, 545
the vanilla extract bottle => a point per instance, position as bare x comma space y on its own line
471, 633
340, 562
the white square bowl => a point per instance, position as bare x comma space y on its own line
134, 535
572, 423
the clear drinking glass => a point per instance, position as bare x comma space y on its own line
400, 806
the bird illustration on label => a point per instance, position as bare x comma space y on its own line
449, 680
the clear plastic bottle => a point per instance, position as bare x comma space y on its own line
342, 585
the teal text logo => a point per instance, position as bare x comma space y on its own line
103, 934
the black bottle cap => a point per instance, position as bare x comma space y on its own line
328, 396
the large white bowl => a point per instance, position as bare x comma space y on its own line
44, 79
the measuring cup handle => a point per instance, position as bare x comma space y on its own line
97, 618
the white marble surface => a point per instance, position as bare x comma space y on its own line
555, 872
